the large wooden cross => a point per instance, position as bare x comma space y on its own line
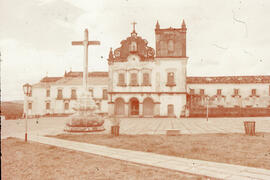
85, 43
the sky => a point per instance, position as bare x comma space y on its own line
226, 37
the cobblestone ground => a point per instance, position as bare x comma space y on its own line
55, 125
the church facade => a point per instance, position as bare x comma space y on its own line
148, 83
143, 82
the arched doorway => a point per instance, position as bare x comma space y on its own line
119, 107
148, 107
134, 106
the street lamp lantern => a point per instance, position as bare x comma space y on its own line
27, 89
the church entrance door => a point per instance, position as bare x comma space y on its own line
171, 110
133, 107
148, 107
119, 107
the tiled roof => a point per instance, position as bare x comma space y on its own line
228, 80
46, 82
41, 85
50, 79
97, 80
90, 74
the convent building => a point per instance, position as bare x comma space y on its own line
145, 82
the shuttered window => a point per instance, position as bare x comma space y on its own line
48, 93
236, 92
219, 91
121, 79
30, 106
66, 106
73, 94
253, 92
146, 79
201, 91
59, 94
48, 105
133, 79
105, 94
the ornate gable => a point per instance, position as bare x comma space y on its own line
132, 45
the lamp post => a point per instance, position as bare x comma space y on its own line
27, 88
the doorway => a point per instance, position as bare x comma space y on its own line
134, 107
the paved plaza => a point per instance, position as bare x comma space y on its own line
55, 125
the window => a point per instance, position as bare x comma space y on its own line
218, 91
105, 94
191, 91
253, 92
236, 92
30, 105
48, 93
133, 46
171, 110
170, 79
91, 92
98, 106
66, 106
121, 79
48, 105
201, 91
59, 94
146, 80
133, 79
30, 95
73, 94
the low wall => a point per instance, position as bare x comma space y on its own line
229, 112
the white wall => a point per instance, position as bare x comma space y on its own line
262, 90
39, 99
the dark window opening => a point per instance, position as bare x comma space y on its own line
48, 105
73, 94
66, 106
170, 79
219, 92
201, 91
59, 94
30, 106
105, 94
48, 93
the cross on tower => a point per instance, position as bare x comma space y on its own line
85, 43
133, 23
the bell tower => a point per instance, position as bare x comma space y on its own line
171, 42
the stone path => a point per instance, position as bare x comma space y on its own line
199, 167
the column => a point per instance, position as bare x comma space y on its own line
140, 109
126, 109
